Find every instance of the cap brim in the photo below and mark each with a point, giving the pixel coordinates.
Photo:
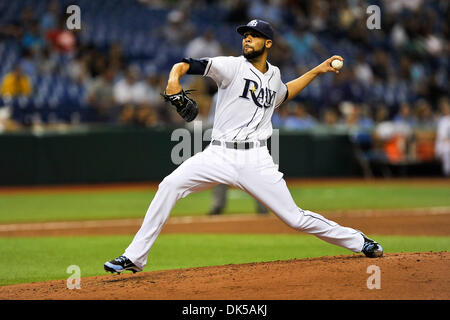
(243, 29)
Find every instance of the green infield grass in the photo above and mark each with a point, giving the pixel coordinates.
(134, 203)
(47, 258)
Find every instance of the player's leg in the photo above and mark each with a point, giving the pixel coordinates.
(279, 200)
(219, 199)
(197, 173)
(261, 208)
(446, 161)
(265, 183)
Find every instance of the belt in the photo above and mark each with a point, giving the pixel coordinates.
(239, 145)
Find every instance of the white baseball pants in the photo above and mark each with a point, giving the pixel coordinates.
(251, 170)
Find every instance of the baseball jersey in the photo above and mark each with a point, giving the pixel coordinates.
(246, 98)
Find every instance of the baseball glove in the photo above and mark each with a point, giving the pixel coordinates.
(186, 107)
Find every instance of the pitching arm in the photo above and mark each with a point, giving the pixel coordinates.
(186, 66)
(176, 73)
(297, 85)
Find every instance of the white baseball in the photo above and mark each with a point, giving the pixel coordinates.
(337, 64)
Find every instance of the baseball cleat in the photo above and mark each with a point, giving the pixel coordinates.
(371, 248)
(120, 264)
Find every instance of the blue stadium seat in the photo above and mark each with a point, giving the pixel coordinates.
(133, 25)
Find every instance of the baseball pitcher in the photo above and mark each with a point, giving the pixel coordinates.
(249, 89)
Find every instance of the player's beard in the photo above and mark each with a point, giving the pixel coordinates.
(253, 54)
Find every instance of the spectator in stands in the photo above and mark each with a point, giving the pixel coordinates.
(381, 113)
(405, 115)
(7, 123)
(237, 13)
(281, 55)
(12, 30)
(153, 90)
(61, 39)
(28, 63)
(101, 97)
(355, 118)
(278, 117)
(349, 119)
(403, 61)
(205, 45)
(398, 36)
(16, 83)
(443, 136)
(266, 10)
(151, 110)
(381, 65)
(365, 117)
(330, 119)
(304, 43)
(425, 132)
(77, 69)
(318, 17)
(393, 140)
(95, 61)
(358, 33)
(435, 87)
(178, 30)
(425, 116)
(347, 16)
(404, 68)
(298, 117)
(362, 70)
(50, 18)
(130, 93)
(32, 39)
(47, 61)
(116, 59)
(15, 29)
(147, 117)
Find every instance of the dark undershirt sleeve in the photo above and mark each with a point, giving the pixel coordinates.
(287, 94)
(196, 66)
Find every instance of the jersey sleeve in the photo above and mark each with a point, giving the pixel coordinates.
(222, 70)
(282, 94)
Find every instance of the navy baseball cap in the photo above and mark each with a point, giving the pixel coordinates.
(260, 26)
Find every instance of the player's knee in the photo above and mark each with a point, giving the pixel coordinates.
(168, 182)
(296, 219)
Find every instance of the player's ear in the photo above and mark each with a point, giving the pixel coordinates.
(268, 43)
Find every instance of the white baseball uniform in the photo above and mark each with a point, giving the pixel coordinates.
(443, 143)
(238, 156)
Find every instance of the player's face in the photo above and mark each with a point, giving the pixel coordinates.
(253, 45)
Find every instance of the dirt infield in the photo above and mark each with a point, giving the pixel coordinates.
(403, 275)
(426, 221)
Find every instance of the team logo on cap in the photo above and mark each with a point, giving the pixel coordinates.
(252, 23)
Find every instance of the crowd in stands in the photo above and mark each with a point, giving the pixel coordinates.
(114, 68)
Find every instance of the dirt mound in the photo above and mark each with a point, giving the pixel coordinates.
(402, 276)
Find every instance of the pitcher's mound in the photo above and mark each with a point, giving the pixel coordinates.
(422, 275)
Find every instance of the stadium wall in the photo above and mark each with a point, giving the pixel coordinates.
(137, 154)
